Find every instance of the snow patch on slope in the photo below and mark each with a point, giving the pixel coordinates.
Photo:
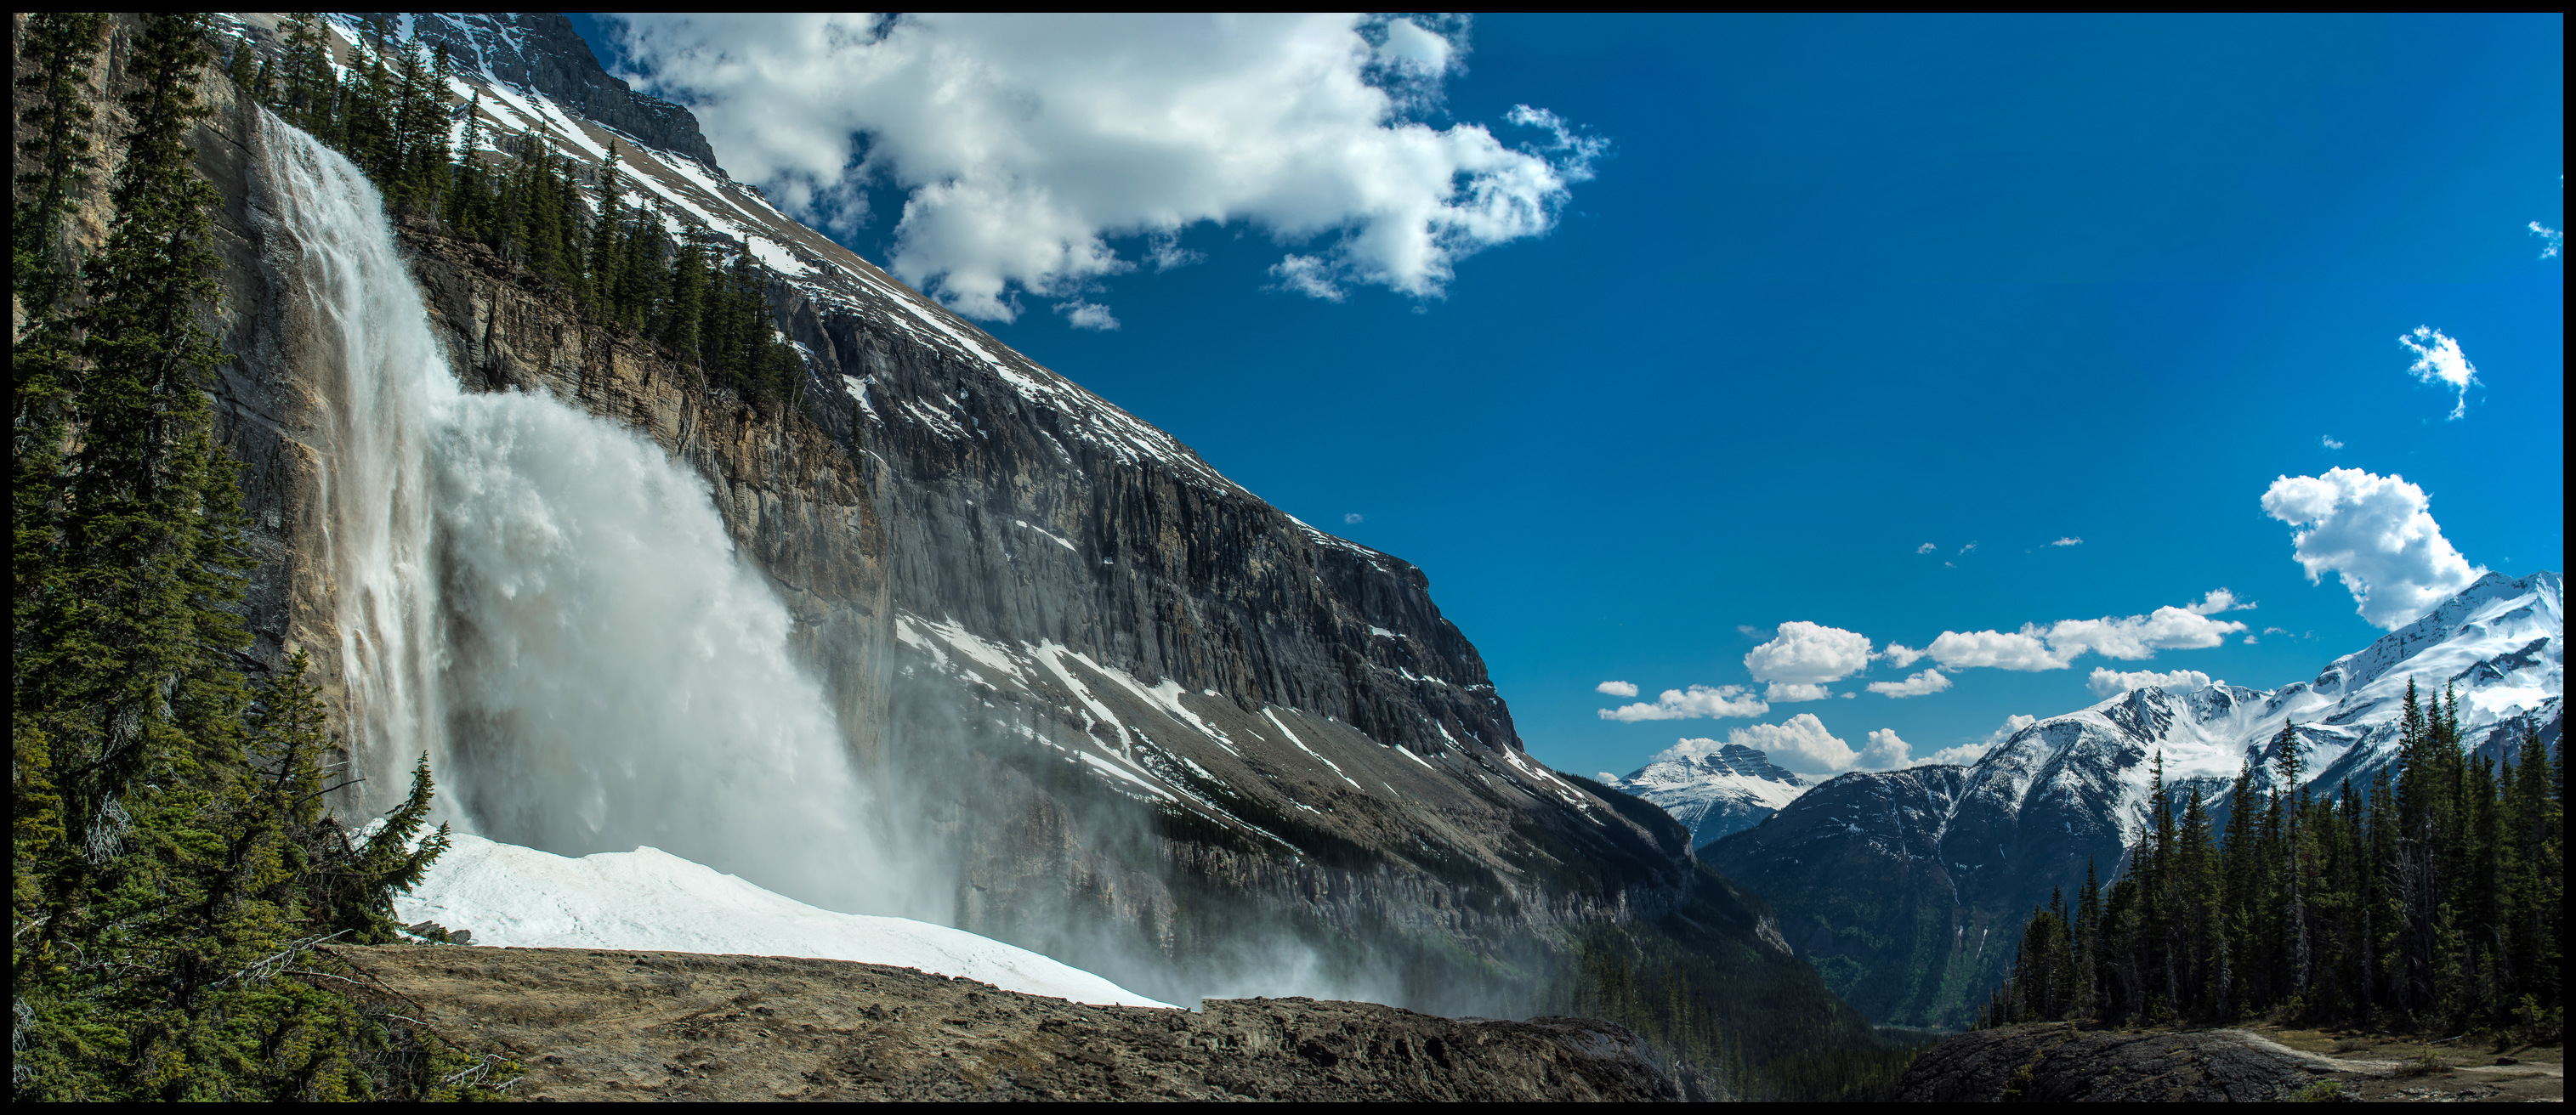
(651, 900)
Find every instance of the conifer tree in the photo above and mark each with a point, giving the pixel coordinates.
(173, 864)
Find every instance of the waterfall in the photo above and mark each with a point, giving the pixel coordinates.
(541, 601)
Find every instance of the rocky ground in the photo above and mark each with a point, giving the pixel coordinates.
(681, 1026)
(2063, 1063)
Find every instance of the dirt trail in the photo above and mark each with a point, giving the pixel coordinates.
(655, 1025)
(2059, 1062)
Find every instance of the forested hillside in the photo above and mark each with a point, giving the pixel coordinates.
(2427, 901)
(172, 865)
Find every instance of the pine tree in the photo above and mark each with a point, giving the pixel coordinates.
(171, 854)
(54, 109)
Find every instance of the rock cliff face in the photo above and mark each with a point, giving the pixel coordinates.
(1134, 717)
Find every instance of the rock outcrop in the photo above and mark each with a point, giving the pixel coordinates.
(685, 1026)
(2061, 1064)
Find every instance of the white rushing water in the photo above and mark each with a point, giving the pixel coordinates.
(541, 601)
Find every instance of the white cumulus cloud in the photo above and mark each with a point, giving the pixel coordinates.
(1700, 701)
(1884, 751)
(1901, 655)
(2026, 649)
(1087, 315)
(2377, 533)
(1790, 692)
(1799, 743)
(2057, 645)
(1617, 688)
(2012, 724)
(2438, 359)
(2218, 600)
(2134, 637)
(1967, 754)
(2106, 683)
(1925, 548)
(1929, 681)
(2329, 442)
(2069, 540)
(1809, 653)
(1024, 144)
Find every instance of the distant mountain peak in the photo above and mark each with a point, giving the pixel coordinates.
(1714, 788)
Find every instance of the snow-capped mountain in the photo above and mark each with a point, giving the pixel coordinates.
(1715, 789)
(1907, 888)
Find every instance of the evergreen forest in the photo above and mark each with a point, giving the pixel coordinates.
(2425, 901)
(173, 871)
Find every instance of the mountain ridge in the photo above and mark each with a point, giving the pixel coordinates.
(1907, 888)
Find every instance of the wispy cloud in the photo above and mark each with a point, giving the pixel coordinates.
(2105, 683)
(1927, 682)
(2375, 532)
(1697, 702)
(2549, 239)
(2069, 540)
(1086, 315)
(2329, 442)
(2057, 645)
(1925, 548)
(2438, 359)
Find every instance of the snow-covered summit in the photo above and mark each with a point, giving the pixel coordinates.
(2498, 644)
(1714, 788)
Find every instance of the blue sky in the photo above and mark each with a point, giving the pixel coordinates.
(1838, 288)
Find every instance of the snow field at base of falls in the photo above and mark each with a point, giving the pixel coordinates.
(649, 900)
